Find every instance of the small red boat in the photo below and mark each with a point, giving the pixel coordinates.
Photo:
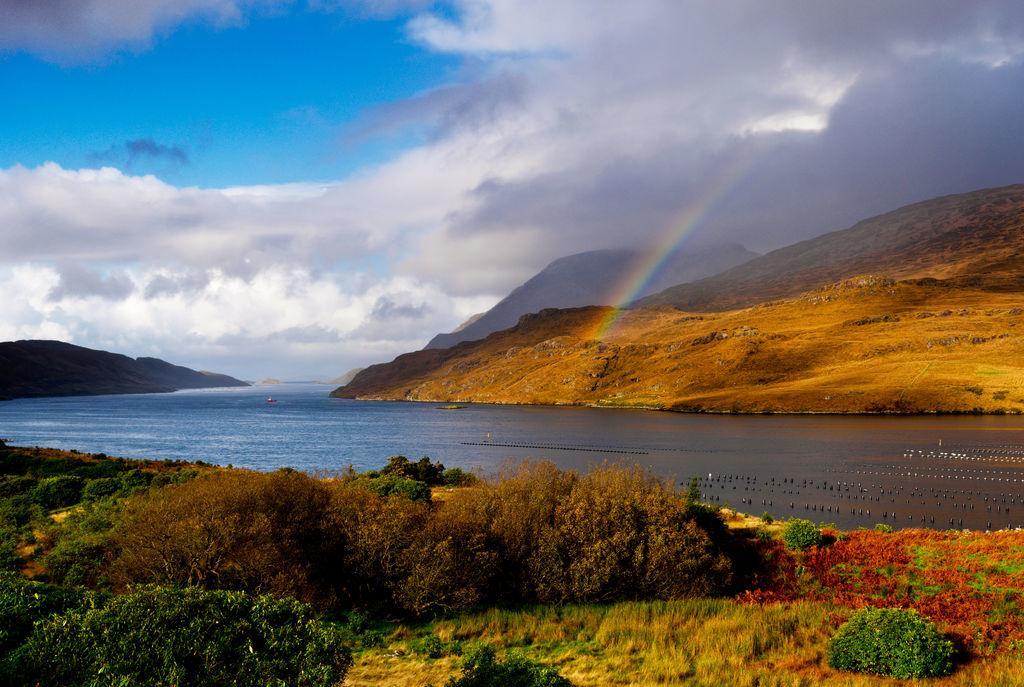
(271, 399)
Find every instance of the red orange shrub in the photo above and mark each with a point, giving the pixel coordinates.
(971, 583)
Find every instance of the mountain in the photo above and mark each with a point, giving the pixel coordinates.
(936, 325)
(870, 344)
(347, 377)
(972, 239)
(588, 279)
(55, 368)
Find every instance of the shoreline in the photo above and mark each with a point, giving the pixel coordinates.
(702, 411)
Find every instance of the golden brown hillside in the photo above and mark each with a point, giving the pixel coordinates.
(869, 344)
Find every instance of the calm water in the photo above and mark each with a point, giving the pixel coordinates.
(831, 469)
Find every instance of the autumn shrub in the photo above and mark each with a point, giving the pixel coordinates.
(452, 563)
(265, 533)
(379, 531)
(188, 638)
(801, 534)
(525, 500)
(893, 642)
(481, 668)
(614, 533)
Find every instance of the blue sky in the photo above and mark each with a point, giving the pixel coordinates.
(264, 102)
(291, 188)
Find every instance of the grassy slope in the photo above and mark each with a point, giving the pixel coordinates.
(867, 344)
(968, 583)
(695, 642)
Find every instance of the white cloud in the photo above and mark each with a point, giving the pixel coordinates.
(286, 321)
(581, 124)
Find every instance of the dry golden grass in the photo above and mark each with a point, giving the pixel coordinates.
(695, 642)
(865, 345)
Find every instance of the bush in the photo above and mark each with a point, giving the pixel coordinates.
(883, 528)
(22, 604)
(395, 485)
(16, 485)
(188, 638)
(452, 563)
(482, 669)
(58, 492)
(894, 642)
(422, 470)
(9, 558)
(457, 477)
(101, 488)
(434, 647)
(615, 533)
(801, 534)
(81, 547)
(263, 533)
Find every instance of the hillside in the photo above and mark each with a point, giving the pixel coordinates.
(54, 368)
(865, 345)
(588, 279)
(974, 239)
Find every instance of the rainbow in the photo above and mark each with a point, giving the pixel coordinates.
(647, 266)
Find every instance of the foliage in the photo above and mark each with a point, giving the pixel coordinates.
(422, 470)
(22, 604)
(149, 639)
(614, 533)
(967, 582)
(801, 534)
(693, 491)
(893, 642)
(434, 647)
(396, 485)
(264, 533)
(457, 477)
(8, 547)
(883, 528)
(482, 669)
(101, 488)
(80, 548)
(58, 492)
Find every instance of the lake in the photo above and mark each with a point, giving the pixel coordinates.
(853, 471)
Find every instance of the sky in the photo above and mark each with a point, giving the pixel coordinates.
(291, 188)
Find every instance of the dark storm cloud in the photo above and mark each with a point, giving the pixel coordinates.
(137, 150)
(445, 111)
(387, 308)
(77, 281)
(163, 285)
(930, 128)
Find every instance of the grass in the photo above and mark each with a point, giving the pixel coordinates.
(699, 642)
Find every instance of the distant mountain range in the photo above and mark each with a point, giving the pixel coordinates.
(589, 279)
(970, 239)
(55, 368)
(347, 377)
(917, 310)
